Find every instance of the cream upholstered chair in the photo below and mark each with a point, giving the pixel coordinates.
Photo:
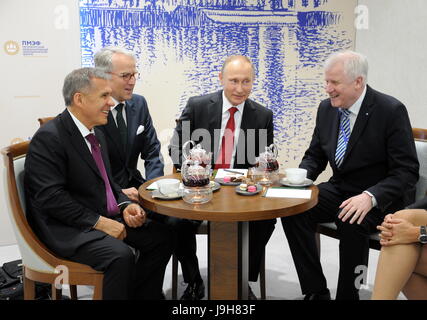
(39, 263)
(420, 137)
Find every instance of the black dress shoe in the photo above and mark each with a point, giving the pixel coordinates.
(194, 291)
(251, 295)
(326, 295)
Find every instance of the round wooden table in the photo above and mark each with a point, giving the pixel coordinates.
(228, 214)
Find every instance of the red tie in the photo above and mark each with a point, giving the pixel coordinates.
(227, 144)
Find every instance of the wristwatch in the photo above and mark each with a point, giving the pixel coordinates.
(423, 235)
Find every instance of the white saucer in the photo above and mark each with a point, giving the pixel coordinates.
(307, 182)
(173, 196)
(215, 187)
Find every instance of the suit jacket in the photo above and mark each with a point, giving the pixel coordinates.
(65, 192)
(142, 141)
(380, 155)
(200, 121)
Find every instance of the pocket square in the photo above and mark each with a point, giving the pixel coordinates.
(140, 129)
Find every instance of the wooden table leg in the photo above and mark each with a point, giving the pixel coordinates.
(228, 260)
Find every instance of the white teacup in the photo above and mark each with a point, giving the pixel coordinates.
(168, 186)
(296, 175)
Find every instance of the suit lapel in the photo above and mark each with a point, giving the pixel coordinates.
(361, 121)
(131, 124)
(335, 132)
(78, 141)
(215, 118)
(113, 132)
(248, 117)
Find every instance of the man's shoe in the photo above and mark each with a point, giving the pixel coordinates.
(194, 291)
(323, 295)
(251, 295)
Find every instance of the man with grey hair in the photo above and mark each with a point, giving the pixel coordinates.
(366, 138)
(129, 132)
(75, 207)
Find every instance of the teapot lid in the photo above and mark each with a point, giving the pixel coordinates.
(270, 152)
(196, 152)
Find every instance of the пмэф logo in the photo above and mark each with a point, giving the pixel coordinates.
(11, 47)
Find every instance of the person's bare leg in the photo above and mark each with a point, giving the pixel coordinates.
(395, 266)
(416, 286)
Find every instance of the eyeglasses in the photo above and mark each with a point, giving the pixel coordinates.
(128, 76)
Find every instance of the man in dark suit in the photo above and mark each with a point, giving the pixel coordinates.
(205, 119)
(130, 133)
(366, 138)
(77, 209)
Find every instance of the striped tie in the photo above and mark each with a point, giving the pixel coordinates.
(343, 137)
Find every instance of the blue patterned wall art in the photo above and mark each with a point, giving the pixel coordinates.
(287, 40)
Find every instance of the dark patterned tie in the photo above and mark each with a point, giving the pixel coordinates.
(121, 125)
(227, 144)
(112, 208)
(343, 137)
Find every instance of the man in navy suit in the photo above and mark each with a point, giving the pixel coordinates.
(130, 133)
(76, 208)
(366, 138)
(206, 116)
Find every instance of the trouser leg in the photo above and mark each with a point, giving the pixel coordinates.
(154, 242)
(259, 234)
(300, 232)
(185, 247)
(354, 254)
(115, 259)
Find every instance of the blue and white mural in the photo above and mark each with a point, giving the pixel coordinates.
(287, 40)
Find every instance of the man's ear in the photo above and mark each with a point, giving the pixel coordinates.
(78, 99)
(220, 77)
(359, 82)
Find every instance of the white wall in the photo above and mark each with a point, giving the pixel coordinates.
(396, 45)
(31, 85)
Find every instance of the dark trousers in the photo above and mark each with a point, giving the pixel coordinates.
(259, 234)
(127, 276)
(353, 248)
(185, 247)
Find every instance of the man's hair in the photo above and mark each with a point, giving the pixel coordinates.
(103, 58)
(79, 80)
(355, 64)
(237, 57)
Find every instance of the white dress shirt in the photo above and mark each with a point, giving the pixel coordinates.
(82, 129)
(237, 121)
(114, 110)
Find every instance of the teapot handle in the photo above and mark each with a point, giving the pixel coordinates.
(184, 148)
(273, 148)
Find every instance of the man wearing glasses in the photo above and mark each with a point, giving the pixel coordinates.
(129, 132)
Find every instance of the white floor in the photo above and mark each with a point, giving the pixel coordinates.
(282, 281)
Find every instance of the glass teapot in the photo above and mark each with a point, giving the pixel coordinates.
(195, 173)
(267, 166)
